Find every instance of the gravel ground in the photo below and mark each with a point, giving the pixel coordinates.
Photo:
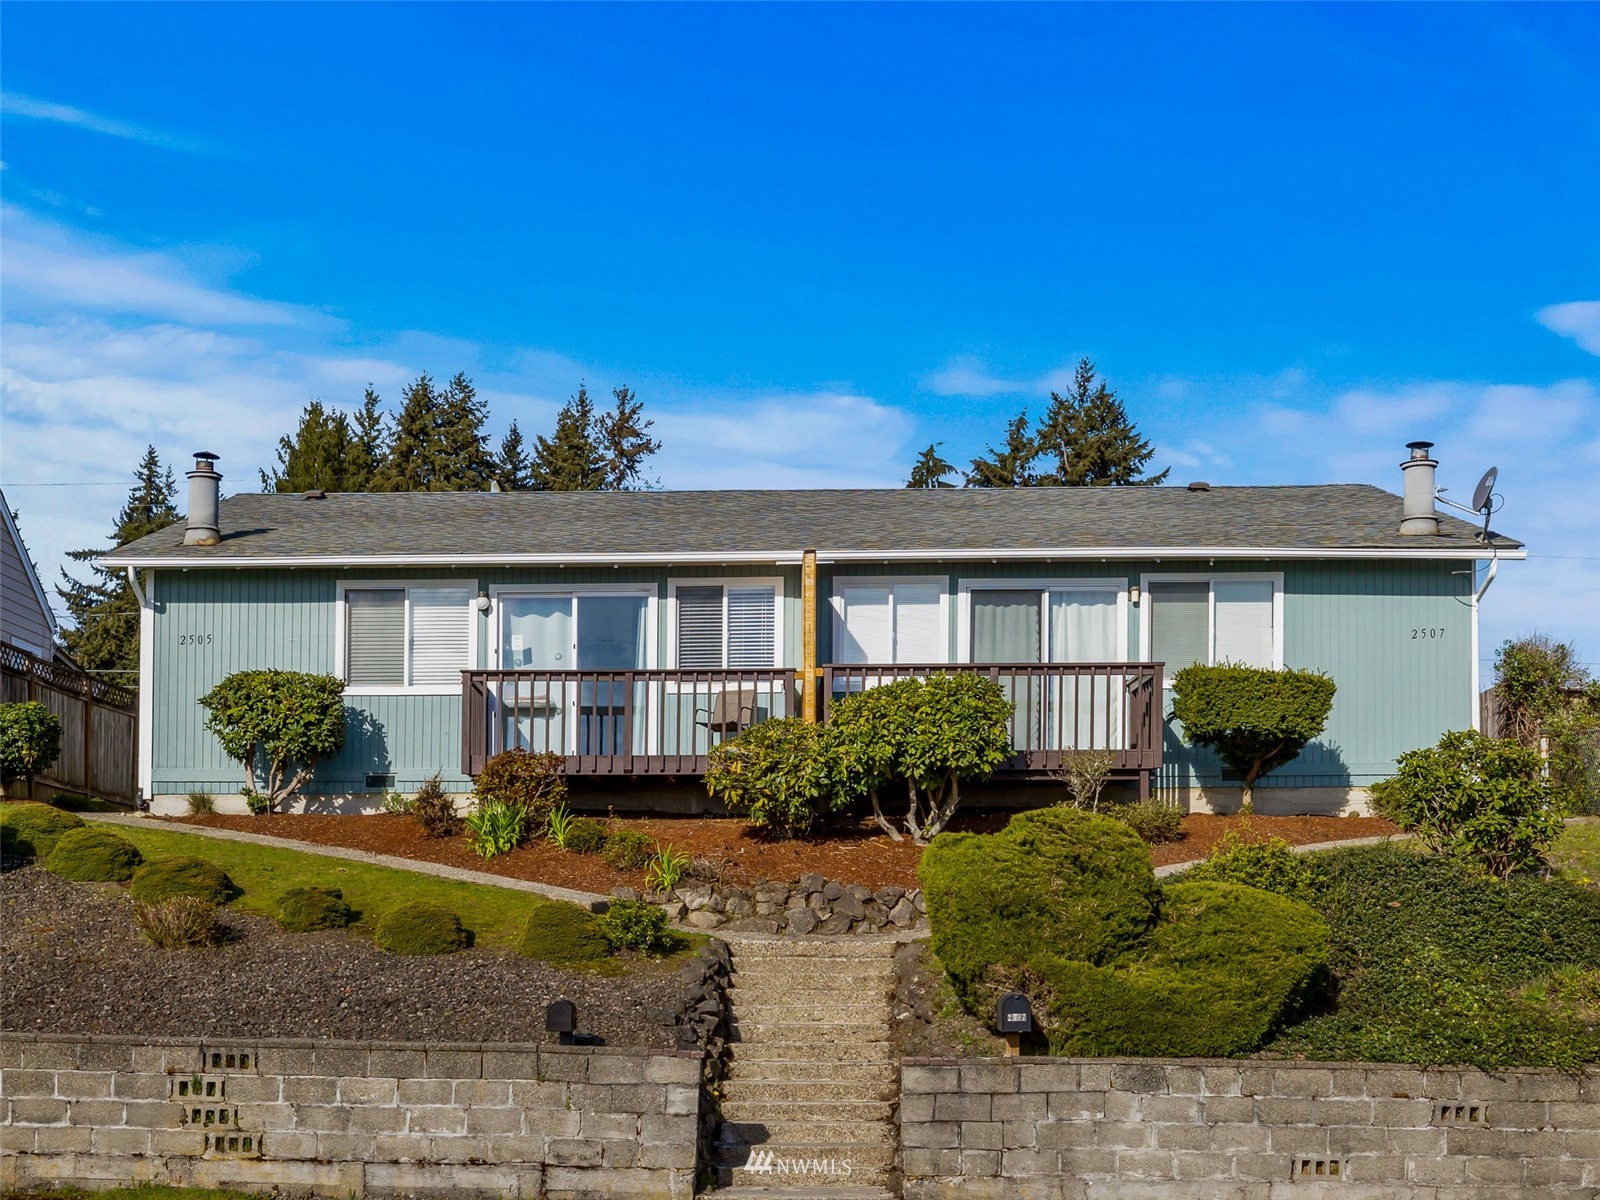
(71, 961)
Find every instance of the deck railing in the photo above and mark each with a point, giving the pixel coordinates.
(658, 722)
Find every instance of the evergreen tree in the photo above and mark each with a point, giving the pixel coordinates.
(319, 456)
(930, 470)
(464, 461)
(1089, 435)
(370, 443)
(104, 613)
(411, 463)
(1010, 467)
(512, 468)
(626, 441)
(572, 459)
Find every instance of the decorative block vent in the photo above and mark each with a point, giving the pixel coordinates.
(227, 1118)
(1317, 1168)
(197, 1087)
(1463, 1114)
(229, 1060)
(238, 1145)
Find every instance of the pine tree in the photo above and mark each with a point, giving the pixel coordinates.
(572, 459)
(626, 441)
(513, 471)
(464, 462)
(104, 613)
(930, 470)
(1011, 467)
(1090, 436)
(371, 442)
(410, 465)
(319, 456)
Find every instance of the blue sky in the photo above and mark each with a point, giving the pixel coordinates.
(817, 238)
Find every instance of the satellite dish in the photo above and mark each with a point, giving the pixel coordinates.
(1483, 494)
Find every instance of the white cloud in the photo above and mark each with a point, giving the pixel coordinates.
(1578, 320)
(968, 376)
(14, 104)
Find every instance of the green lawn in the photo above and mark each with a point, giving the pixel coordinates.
(1576, 853)
(494, 914)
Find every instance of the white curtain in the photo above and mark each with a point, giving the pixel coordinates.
(1085, 712)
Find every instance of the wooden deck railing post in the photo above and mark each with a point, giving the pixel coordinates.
(808, 637)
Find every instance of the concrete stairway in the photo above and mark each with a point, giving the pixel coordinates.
(813, 1084)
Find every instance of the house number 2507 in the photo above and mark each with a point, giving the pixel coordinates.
(194, 639)
(1423, 635)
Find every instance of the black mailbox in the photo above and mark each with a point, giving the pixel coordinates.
(561, 1017)
(1015, 1014)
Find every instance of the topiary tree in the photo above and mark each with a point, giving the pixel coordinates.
(782, 774)
(1479, 798)
(30, 740)
(1255, 719)
(289, 720)
(926, 734)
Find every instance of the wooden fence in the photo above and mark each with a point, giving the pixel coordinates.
(99, 727)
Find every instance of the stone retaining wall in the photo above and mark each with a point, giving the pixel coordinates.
(809, 905)
(1073, 1129)
(350, 1118)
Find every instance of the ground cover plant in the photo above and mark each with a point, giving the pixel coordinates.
(420, 927)
(626, 850)
(93, 854)
(181, 875)
(287, 721)
(636, 925)
(496, 827)
(31, 830)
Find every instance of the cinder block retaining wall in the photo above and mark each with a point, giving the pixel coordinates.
(1166, 1129)
(350, 1118)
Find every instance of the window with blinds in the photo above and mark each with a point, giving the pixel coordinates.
(375, 637)
(891, 623)
(729, 627)
(392, 643)
(439, 635)
(1212, 621)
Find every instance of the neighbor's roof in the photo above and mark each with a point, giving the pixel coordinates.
(439, 528)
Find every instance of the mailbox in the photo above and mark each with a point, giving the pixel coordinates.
(562, 1018)
(1015, 1014)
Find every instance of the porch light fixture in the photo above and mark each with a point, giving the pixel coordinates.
(1133, 593)
(482, 602)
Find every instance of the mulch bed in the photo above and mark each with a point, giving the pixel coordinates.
(71, 961)
(852, 852)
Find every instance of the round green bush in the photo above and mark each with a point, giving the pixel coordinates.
(91, 855)
(564, 935)
(1222, 969)
(162, 878)
(1076, 884)
(31, 830)
(420, 927)
(1270, 865)
(627, 850)
(303, 909)
(635, 925)
(587, 836)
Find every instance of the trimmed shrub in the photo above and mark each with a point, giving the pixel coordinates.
(1483, 799)
(1255, 719)
(535, 783)
(420, 927)
(162, 878)
(586, 836)
(30, 830)
(435, 810)
(1271, 865)
(291, 720)
(781, 774)
(30, 740)
(1077, 884)
(305, 909)
(178, 922)
(635, 925)
(563, 935)
(93, 855)
(626, 850)
(1152, 820)
(1220, 972)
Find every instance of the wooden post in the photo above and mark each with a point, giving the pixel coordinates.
(1013, 1045)
(808, 637)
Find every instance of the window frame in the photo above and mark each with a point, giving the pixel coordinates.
(965, 588)
(649, 591)
(836, 608)
(1210, 578)
(342, 634)
(775, 582)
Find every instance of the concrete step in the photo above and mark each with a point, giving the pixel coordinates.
(864, 1183)
(841, 1135)
(858, 946)
(761, 984)
(875, 1012)
(755, 1085)
(809, 1048)
(744, 1030)
(794, 1073)
(743, 1112)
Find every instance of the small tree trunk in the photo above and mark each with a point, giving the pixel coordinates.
(883, 821)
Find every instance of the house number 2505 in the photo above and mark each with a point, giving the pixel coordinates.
(194, 639)
(1423, 635)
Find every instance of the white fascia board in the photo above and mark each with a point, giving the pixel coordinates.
(793, 557)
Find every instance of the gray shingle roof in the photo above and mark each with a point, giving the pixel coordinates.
(443, 525)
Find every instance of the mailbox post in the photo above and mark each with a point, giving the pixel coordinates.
(561, 1018)
(1013, 1018)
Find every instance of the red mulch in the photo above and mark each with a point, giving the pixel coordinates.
(850, 853)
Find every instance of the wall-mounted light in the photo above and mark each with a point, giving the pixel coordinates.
(482, 602)
(1133, 593)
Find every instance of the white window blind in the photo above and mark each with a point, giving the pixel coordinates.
(919, 630)
(1180, 624)
(699, 627)
(440, 635)
(1244, 621)
(752, 627)
(375, 637)
(867, 633)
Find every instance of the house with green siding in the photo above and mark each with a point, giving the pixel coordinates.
(631, 631)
